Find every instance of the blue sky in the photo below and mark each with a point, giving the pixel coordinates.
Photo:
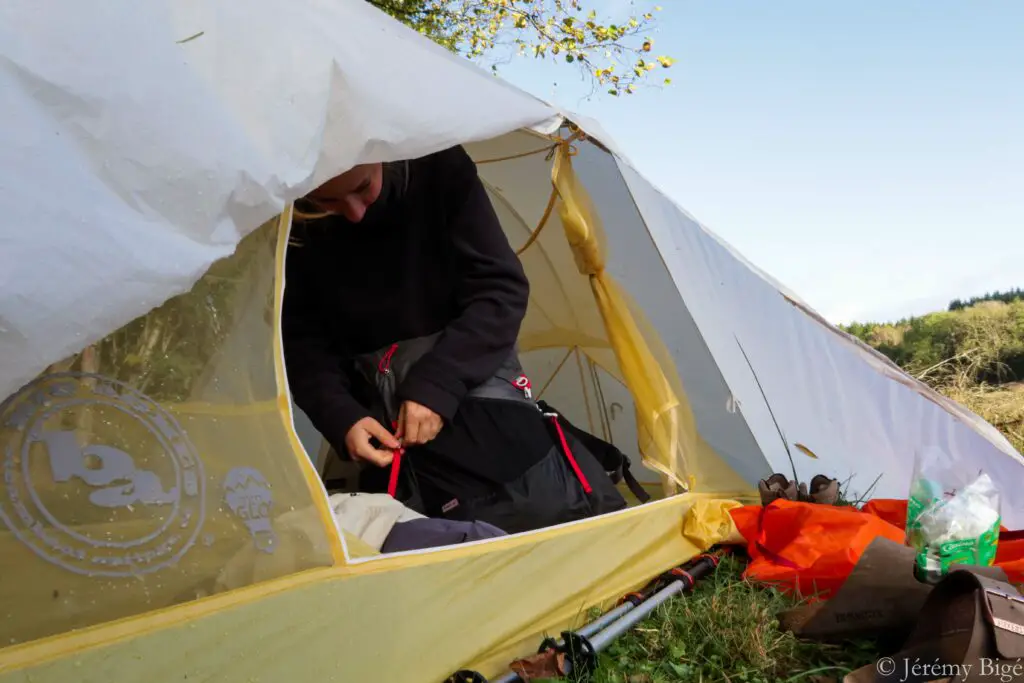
(868, 154)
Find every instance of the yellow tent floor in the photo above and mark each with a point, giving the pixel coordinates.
(408, 618)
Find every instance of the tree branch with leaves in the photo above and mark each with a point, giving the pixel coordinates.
(615, 55)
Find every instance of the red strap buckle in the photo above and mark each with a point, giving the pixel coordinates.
(522, 382)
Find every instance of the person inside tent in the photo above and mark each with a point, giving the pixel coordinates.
(403, 303)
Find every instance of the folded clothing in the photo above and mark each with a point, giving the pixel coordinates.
(370, 516)
(417, 534)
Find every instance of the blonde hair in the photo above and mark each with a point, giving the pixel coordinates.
(300, 214)
(394, 183)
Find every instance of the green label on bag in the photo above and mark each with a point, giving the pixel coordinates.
(980, 551)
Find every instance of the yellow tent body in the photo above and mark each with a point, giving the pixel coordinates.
(162, 520)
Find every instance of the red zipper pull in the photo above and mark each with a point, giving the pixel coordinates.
(396, 463)
(384, 367)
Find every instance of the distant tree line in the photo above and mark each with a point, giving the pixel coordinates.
(977, 341)
(1006, 297)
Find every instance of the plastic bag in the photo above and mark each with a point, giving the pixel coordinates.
(953, 515)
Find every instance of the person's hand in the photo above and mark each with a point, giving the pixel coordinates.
(417, 424)
(358, 442)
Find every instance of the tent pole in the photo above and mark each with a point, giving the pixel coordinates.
(583, 384)
(540, 394)
(606, 423)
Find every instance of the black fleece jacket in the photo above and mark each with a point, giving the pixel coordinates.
(430, 258)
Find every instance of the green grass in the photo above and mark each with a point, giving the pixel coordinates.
(725, 631)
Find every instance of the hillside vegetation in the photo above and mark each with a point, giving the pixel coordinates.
(973, 352)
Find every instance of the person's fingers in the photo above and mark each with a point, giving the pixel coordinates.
(437, 424)
(429, 428)
(413, 427)
(417, 424)
(376, 429)
(378, 457)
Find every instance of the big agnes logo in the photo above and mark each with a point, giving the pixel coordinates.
(98, 478)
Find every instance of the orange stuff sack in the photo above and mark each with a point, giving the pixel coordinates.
(1010, 555)
(810, 549)
(891, 510)
(807, 547)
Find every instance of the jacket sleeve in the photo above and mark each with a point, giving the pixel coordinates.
(316, 379)
(491, 298)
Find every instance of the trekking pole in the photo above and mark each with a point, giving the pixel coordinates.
(684, 581)
(580, 647)
(582, 651)
(626, 603)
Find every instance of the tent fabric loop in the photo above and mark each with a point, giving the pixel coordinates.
(548, 150)
(521, 155)
(541, 223)
(564, 145)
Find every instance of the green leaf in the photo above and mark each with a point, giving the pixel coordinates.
(680, 669)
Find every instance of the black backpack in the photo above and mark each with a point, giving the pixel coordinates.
(567, 483)
(616, 464)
